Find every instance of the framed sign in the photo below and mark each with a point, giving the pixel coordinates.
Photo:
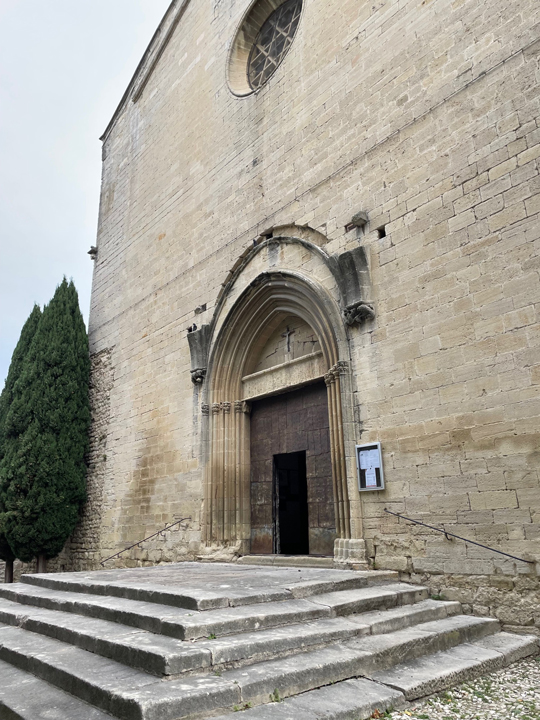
(369, 465)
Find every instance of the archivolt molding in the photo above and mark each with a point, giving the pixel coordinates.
(269, 296)
(248, 256)
(345, 276)
(342, 282)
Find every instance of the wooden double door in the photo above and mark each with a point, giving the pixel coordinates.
(292, 499)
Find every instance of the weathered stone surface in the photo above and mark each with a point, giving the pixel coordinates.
(118, 654)
(25, 697)
(190, 585)
(513, 647)
(347, 700)
(155, 654)
(431, 674)
(385, 621)
(356, 601)
(265, 644)
(436, 672)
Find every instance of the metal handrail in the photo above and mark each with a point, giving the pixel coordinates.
(138, 544)
(449, 535)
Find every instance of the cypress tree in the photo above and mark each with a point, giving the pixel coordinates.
(6, 398)
(46, 434)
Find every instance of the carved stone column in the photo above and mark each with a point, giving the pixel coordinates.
(206, 515)
(242, 459)
(337, 449)
(227, 490)
(228, 470)
(216, 470)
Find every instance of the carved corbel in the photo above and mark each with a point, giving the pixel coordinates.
(352, 274)
(358, 313)
(198, 375)
(199, 341)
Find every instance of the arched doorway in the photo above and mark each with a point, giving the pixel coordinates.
(241, 374)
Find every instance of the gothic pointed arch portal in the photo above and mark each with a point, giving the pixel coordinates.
(232, 385)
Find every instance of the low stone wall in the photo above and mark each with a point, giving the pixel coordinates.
(487, 584)
(514, 600)
(19, 569)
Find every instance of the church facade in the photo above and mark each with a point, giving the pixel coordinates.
(319, 229)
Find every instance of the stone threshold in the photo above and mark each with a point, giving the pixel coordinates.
(317, 561)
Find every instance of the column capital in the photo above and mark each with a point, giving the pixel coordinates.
(241, 406)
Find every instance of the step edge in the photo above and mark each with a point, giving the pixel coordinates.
(98, 643)
(46, 670)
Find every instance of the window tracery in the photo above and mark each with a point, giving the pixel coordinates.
(273, 42)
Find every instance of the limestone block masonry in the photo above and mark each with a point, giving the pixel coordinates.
(235, 213)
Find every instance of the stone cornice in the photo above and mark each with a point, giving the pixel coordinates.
(150, 59)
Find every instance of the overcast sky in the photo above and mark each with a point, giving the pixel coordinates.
(64, 66)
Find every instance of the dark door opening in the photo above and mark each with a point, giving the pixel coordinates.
(291, 526)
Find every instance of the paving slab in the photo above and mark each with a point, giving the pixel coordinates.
(205, 586)
(311, 561)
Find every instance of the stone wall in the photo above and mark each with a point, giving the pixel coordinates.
(423, 115)
(84, 547)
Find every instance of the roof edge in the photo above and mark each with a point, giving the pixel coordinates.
(150, 59)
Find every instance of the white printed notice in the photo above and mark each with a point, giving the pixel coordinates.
(369, 461)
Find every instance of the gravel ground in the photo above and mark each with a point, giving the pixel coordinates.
(509, 694)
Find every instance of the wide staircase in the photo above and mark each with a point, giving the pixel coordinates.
(202, 641)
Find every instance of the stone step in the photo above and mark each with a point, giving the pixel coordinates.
(279, 642)
(129, 693)
(358, 699)
(427, 675)
(347, 602)
(155, 654)
(185, 625)
(163, 587)
(300, 673)
(167, 656)
(25, 697)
